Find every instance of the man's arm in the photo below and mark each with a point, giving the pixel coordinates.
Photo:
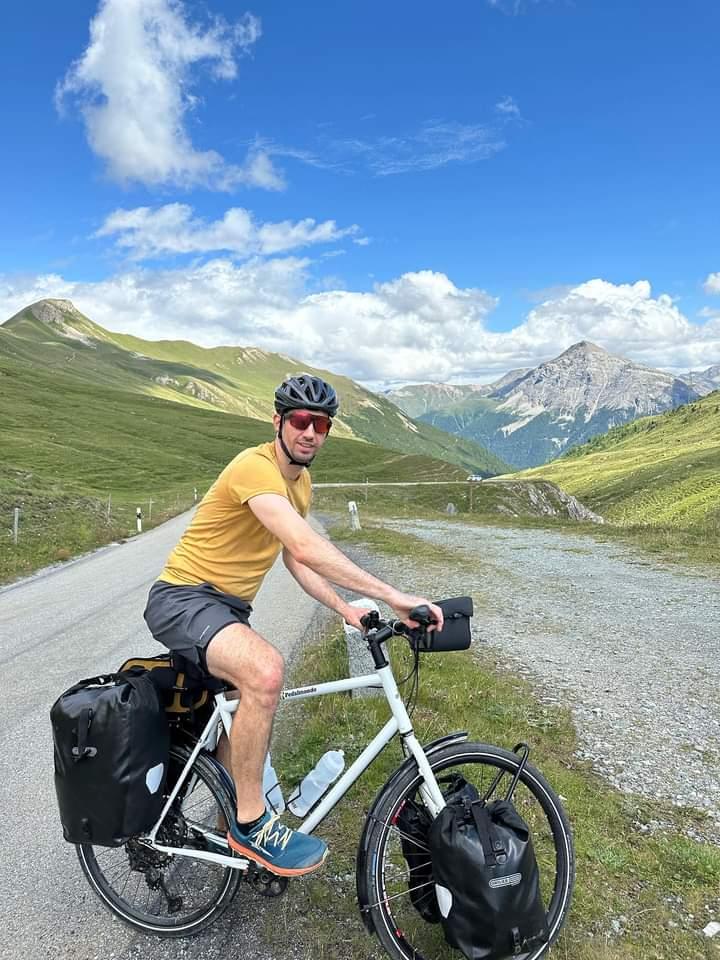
(311, 550)
(319, 588)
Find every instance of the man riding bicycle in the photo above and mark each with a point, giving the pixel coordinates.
(200, 605)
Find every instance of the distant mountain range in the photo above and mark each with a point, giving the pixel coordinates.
(531, 416)
(54, 335)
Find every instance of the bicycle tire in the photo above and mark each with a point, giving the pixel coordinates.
(112, 870)
(383, 889)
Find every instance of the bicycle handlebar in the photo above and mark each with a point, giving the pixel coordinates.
(385, 629)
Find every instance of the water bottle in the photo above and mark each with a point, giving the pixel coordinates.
(326, 770)
(272, 791)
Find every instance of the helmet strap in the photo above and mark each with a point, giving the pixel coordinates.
(295, 463)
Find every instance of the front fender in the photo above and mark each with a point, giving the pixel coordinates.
(362, 854)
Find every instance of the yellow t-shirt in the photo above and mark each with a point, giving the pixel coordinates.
(225, 544)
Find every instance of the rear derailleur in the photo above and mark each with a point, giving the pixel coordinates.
(153, 863)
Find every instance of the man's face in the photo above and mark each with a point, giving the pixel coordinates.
(303, 432)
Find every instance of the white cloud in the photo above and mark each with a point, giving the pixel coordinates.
(435, 144)
(508, 106)
(515, 7)
(624, 319)
(419, 326)
(172, 229)
(712, 283)
(133, 84)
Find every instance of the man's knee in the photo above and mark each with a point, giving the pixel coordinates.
(264, 678)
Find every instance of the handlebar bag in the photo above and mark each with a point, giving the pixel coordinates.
(486, 880)
(111, 745)
(455, 634)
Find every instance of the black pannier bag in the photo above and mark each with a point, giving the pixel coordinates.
(455, 634)
(413, 823)
(486, 880)
(112, 749)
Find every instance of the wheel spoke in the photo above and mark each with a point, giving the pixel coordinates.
(161, 892)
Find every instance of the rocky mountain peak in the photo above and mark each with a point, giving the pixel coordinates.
(584, 348)
(61, 317)
(55, 312)
(586, 378)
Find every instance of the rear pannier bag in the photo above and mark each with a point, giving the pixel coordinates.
(486, 880)
(112, 747)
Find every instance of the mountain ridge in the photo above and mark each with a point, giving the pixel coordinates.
(53, 333)
(534, 417)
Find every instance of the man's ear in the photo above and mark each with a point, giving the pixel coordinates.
(276, 421)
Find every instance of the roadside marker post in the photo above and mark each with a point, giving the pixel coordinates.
(150, 503)
(138, 515)
(16, 524)
(354, 517)
(194, 494)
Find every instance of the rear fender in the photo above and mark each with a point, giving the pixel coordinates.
(362, 856)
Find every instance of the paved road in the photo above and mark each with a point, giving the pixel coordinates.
(75, 621)
(390, 483)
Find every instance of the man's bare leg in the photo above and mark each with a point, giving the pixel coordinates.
(252, 665)
(242, 657)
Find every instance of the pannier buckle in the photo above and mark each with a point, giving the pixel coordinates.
(85, 752)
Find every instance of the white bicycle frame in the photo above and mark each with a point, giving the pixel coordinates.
(399, 722)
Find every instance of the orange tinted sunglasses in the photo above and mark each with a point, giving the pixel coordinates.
(300, 420)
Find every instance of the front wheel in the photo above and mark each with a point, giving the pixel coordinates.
(384, 881)
(160, 893)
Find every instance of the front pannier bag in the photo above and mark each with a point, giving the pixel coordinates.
(486, 880)
(112, 747)
(413, 825)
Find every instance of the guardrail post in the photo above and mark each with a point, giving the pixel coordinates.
(354, 517)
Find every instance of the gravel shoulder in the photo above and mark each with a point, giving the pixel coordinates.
(632, 646)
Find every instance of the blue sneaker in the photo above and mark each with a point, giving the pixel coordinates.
(278, 848)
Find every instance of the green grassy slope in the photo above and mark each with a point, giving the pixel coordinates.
(235, 380)
(67, 446)
(662, 470)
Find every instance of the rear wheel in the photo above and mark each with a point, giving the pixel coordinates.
(164, 894)
(384, 878)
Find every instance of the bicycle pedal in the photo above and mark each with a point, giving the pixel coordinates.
(264, 882)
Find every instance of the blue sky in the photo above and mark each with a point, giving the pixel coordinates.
(394, 191)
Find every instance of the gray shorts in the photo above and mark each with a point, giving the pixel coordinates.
(186, 618)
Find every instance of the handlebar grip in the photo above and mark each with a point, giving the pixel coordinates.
(371, 620)
(421, 614)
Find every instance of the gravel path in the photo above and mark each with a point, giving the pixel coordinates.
(630, 644)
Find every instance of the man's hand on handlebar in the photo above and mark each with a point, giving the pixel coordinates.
(352, 615)
(404, 603)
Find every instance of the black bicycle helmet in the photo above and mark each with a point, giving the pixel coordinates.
(306, 392)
